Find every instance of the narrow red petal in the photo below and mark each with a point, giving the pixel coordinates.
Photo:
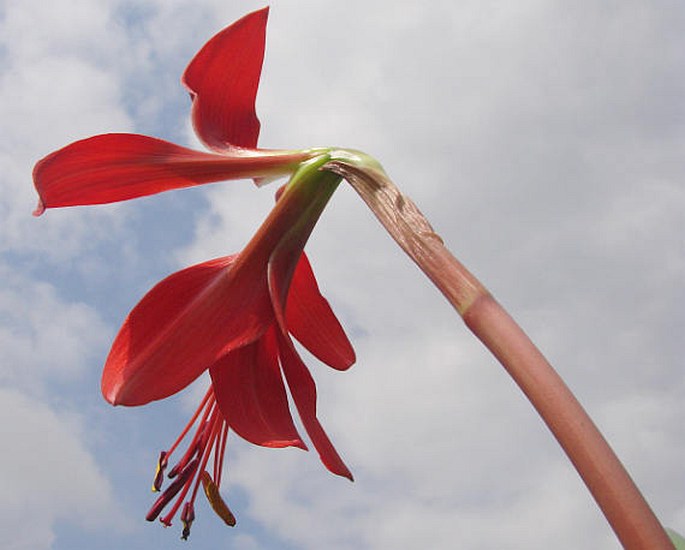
(249, 389)
(311, 320)
(182, 326)
(300, 381)
(116, 167)
(303, 390)
(223, 78)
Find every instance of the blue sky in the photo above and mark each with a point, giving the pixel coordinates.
(544, 141)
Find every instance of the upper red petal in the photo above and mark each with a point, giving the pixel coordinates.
(249, 389)
(116, 167)
(311, 320)
(223, 78)
(184, 325)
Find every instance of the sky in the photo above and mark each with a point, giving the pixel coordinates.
(545, 142)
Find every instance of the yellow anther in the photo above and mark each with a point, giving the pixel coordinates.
(214, 497)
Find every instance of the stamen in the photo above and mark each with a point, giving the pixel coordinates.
(209, 439)
(204, 449)
(189, 455)
(187, 517)
(219, 452)
(196, 444)
(214, 425)
(214, 497)
(159, 473)
(172, 490)
(208, 395)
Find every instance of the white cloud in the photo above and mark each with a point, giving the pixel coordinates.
(43, 339)
(48, 475)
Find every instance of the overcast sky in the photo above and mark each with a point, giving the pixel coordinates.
(545, 141)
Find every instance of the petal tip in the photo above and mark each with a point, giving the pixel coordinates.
(349, 359)
(110, 394)
(40, 209)
(110, 397)
(343, 472)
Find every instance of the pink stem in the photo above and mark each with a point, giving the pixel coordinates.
(618, 497)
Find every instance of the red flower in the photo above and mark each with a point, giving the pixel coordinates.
(231, 316)
(234, 316)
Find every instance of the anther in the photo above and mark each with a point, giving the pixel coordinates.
(159, 473)
(172, 490)
(214, 497)
(187, 517)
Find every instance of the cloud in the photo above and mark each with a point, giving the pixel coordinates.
(48, 476)
(43, 339)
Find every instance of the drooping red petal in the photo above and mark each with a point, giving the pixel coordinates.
(249, 389)
(300, 381)
(303, 390)
(311, 320)
(184, 325)
(223, 78)
(116, 167)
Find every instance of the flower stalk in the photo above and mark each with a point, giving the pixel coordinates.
(621, 502)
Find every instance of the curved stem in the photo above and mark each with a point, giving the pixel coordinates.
(615, 492)
(618, 497)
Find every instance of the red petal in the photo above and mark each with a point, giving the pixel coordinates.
(184, 325)
(300, 381)
(311, 320)
(223, 78)
(303, 390)
(116, 167)
(251, 395)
